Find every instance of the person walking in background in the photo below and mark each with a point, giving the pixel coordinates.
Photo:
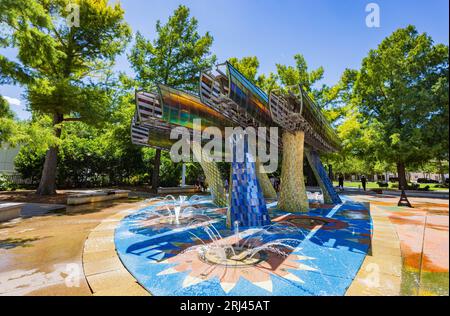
(364, 182)
(341, 182)
(226, 185)
(198, 184)
(202, 183)
(277, 184)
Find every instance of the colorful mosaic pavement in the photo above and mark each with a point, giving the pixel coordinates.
(423, 234)
(331, 244)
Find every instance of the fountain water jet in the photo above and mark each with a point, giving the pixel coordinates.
(239, 249)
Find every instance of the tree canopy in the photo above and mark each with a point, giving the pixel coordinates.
(6, 120)
(391, 113)
(400, 92)
(64, 67)
(176, 56)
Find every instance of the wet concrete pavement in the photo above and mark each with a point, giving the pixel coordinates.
(423, 232)
(42, 255)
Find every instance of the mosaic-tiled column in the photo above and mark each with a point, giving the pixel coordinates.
(267, 187)
(212, 174)
(293, 196)
(329, 193)
(247, 204)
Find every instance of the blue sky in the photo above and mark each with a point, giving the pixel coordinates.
(329, 33)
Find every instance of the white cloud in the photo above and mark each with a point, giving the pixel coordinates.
(12, 101)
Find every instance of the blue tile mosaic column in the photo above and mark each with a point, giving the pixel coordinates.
(247, 205)
(329, 193)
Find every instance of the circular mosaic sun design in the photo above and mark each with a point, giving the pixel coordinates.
(300, 254)
(311, 222)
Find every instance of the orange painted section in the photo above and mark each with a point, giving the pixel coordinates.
(423, 233)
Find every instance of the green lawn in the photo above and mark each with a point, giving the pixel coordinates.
(349, 184)
(432, 188)
(373, 185)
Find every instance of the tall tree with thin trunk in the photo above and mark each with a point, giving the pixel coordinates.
(64, 49)
(175, 57)
(401, 91)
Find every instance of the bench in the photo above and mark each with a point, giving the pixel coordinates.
(178, 190)
(96, 196)
(10, 211)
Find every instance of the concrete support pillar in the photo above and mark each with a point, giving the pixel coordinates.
(293, 196)
(247, 203)
(212, 174)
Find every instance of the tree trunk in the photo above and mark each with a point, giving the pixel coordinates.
(47, 185)
(401, 175)
(155, 175)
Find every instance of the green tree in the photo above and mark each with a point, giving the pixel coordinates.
(351, 128)
(249, 66)
(400, 92)
(62, 64)
(175, 58)
(88, 156)
(5, 111)
(286, 76)
(300, 74)
(6, 120)
(437, 127)
(337, 100)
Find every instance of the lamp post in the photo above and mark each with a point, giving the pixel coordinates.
(403, 202)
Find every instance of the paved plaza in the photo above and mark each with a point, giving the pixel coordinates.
(74, 253)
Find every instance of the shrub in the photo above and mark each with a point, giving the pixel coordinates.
(138, 179)
(29, 163)
(409, 186)
(425, 180)
(193, 171)
(6, 184)
(382, 184)
(3, 183)
(170, 173)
